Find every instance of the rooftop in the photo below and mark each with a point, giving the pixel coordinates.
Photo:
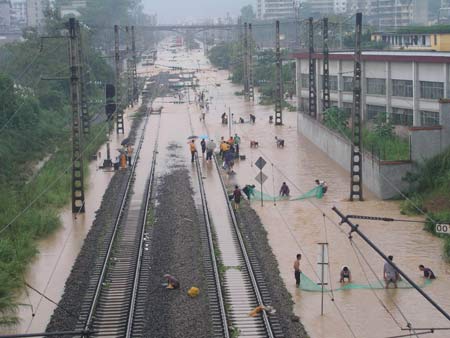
(380, 55)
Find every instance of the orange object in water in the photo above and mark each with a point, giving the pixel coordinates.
(123, 161)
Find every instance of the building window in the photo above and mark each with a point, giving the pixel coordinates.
(429, 118)
(348, 83)
(376, 86)
(373, 111)
(402, 116)
(347, 107)
(402, 88)
(305, 80)
(431, 90)
(333, 82)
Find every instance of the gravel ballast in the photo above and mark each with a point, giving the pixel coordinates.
(176, 248)
(65, 316)
(255, 237)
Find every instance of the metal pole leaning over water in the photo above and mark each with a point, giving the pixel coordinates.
(355, 228)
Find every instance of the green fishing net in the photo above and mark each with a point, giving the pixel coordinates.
(306, 284)
(315, 192)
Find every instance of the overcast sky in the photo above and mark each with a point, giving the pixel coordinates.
(174, 11)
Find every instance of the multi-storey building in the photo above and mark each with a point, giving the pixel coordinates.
(276, 9)
(324, 7)
(5, 14)
(406, 85)
(396, 13)
(72, 8)
(420, 38)
(35, 12)
(19, 13)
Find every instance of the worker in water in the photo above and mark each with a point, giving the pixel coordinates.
(323, 185)
(297, 271)
(252, 118)
(203, 145)
(237, 195)
(123, 160)
(172, 282)
(284, 190)
(390, 274)
(210, 147)
(237, 142)
(427, 272)
(224, 148)
(193, 150)
(249, 191)
(129, 153)
(271, 119)
(345, 274)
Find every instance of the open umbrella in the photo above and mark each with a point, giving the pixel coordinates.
(203, 137)
(125, 141)
(192, 137)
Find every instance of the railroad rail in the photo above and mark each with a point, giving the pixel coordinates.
(241, 284)
(109, 305)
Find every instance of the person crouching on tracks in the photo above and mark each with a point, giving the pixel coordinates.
(172, 282)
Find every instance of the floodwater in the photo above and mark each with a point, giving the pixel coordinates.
(57, 253)
(298, 226)
(293, 227)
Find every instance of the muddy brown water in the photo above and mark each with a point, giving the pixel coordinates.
(298, 226)
(293, 227)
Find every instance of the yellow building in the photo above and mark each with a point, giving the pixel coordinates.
(411, 39)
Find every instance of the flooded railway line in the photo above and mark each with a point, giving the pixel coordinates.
(109, 305)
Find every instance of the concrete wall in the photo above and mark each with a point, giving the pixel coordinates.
(382, 178)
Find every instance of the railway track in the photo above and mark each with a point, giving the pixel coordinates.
(238, 279)
(110, 307)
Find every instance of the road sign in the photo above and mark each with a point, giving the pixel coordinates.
(261, 178)
(442, 228)
(260, 163)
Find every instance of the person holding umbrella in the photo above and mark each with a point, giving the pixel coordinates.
(203, 145)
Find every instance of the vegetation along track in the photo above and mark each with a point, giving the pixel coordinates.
(109, 306)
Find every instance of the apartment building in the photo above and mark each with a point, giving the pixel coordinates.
(397, 13)
(416, 38)
(276, 9)
(406, 85)
(35, 12)
(19, 13)
(5, 14)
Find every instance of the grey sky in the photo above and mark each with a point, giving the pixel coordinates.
(173, 11)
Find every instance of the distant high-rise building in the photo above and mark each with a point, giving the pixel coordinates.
(5, 14)
(276, 9)
(324, 7)
(72, 8)
(19, 13)
(397, 13)
(35, 12)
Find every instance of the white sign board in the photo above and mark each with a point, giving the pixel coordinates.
(442, 228)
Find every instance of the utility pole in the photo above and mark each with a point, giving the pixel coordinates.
(129, 70)
(326, 68)
(355, 228)
(251, 89)
(279, 84)
(81, 70)
(119, 112)
(356, 178)
(323, 265)
(312, 72)
(77, 153)
(245, 60)
(134, 70)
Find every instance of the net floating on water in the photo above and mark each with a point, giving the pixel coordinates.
(307, 284)
(316, 192)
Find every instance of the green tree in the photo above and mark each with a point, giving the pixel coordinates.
(248, 14)
(383, 127)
